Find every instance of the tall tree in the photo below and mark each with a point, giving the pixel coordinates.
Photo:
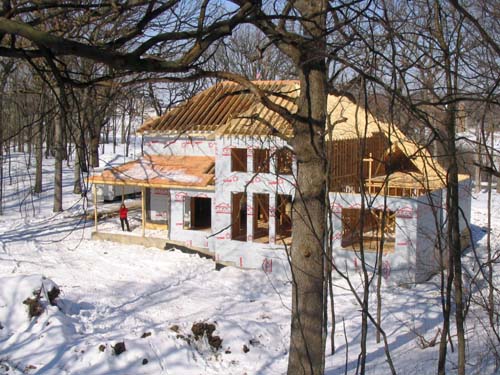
(305, 47)
(6, 68)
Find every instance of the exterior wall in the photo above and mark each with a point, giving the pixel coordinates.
(432, 227)
(178, 145)
(111, 192)
(248, 254)
(196, 238)
(465, 194)
(398, 266)
(430, 232)
(159, 205)
(414, 258)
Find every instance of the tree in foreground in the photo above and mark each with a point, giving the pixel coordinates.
(177, 40)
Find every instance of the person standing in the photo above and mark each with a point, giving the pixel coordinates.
(123, 217)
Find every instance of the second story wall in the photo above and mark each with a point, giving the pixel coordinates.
(178, 145)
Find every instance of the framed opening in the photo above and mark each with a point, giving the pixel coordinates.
(284, 161)
(238, 160)
(197, 213)
(260, 204)
(157, 206)
(239, 216)
(284, 219)
(370, 234)
(261, 160)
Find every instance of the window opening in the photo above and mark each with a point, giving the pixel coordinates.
(284, 161)
(260, 204)
(238, 160)
(284, 219)
(197, 213)
(261, 160)
(239, 216)
(371, 233)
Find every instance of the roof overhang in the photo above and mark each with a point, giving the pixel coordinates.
(158, 171)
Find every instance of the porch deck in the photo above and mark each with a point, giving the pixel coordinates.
(131, 238)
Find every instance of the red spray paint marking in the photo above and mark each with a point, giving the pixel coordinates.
(223, 208)
(267, 265)
(179, 197)
(272, 211)
(386, 269)
(405, 212)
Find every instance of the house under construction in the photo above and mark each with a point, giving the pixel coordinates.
(218, 175)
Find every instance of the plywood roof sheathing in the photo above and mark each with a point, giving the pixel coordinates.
(161, 171)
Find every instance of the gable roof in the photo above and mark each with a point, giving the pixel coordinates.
(228, 109)
(210, 109)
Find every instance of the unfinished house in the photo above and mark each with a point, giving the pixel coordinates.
(218, 176)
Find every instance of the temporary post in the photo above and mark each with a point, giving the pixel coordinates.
(94, 193)
(143, 201)
(370, 161)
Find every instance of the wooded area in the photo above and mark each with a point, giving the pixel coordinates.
(77, 76)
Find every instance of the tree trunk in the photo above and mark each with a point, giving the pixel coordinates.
(77, 181)
(29, 143)
(127, 141)
(49, 138)
(2, 87)
(114, 122)
(7, 68)
(39, 153)
(306, 344)
(477, 171)
(59, 150)
(123, 128)
(309, 210)
(453, 202)
(498, 178)
(94, 149)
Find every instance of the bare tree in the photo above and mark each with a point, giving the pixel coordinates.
(6, 69)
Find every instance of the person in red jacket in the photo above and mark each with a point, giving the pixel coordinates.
(123, 216)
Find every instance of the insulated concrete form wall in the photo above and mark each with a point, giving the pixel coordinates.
(413, 259)
(178, 145)
(159, 205)
(398, 266)
(432, 226)
(464, 195)
(248, 254)
(430, 234)
(191, 237)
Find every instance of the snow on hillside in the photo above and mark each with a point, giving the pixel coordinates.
(149, 300)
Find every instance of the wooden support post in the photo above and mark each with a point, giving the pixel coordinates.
(123, 193)
(143, 201)
(94, 194)
(370, 162)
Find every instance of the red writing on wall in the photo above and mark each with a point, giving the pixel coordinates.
(267, 265)
(179, 196)
(405, 212)
(223, 208)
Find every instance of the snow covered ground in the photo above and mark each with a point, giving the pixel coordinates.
(149, 299)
